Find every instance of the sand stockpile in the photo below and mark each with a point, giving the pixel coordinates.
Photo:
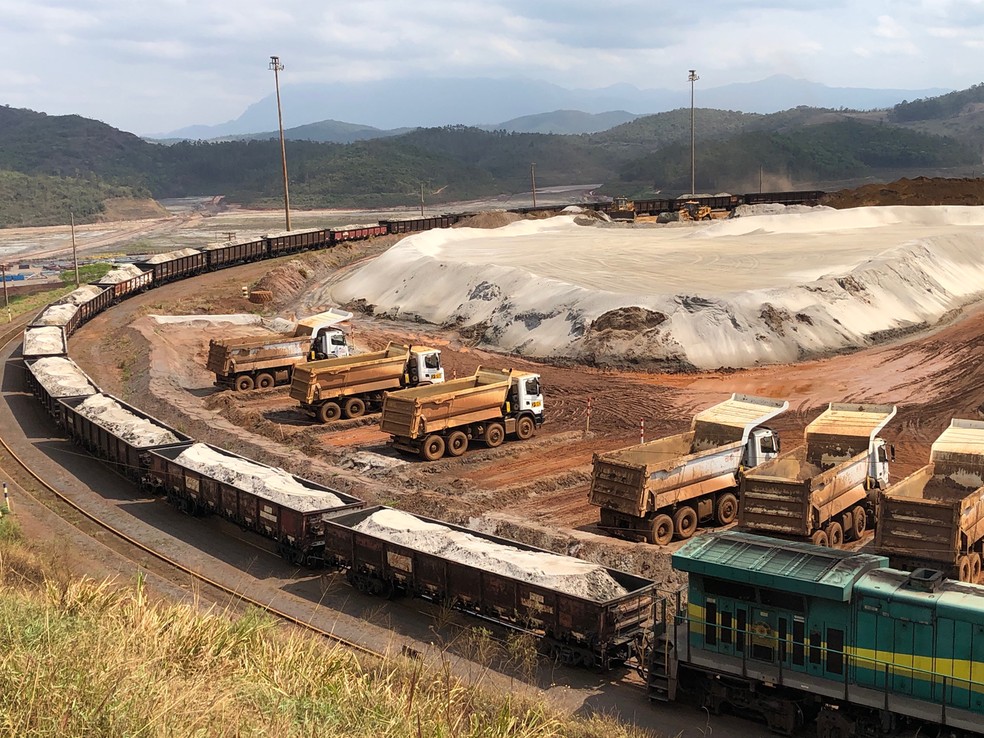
(564, 573)
(43, 341)
(62, 377)
(272, 484)
(137, 431)
(122, 273)
(738, 292)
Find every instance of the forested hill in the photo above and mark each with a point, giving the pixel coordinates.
(69, 163)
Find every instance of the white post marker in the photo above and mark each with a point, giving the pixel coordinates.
(6, 497)
(587, 419)
(642, 430)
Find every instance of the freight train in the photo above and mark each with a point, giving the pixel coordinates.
(787, 630)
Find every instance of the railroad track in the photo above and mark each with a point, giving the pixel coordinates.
(25, 481)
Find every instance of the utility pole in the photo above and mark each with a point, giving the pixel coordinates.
(6, 302)
(75, 256)
(277, 67)
(421, 199)
(533, 180)
(693, 138)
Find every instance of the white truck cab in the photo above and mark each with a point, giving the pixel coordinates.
(527, 393)
(762, 445)
(424, 367)
(329, 340)
(880, 455)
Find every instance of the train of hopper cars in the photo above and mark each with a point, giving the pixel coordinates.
(786, 630)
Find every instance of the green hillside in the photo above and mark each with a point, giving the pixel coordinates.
(71, 163)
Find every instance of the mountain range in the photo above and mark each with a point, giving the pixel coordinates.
(390, 106)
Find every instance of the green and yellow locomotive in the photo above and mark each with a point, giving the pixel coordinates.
(796, 632)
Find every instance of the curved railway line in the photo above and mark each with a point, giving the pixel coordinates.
(144, 556)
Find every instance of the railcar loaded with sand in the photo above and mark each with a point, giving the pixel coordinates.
(585, 614)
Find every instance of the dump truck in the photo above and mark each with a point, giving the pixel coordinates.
(351, 385)
(934, 518)
(445, 418)
(825, 490)
(264, 361)
(668, 487)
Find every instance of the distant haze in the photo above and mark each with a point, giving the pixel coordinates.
(389, 104)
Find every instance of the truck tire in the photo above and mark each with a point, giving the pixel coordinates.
(244, 382)
(525, 428)
(964, 569)
(685, 522)
(328, 411)
(354, 407)
(819, 538)
(432, 448)
(975, 568)
(264, 381)
(661, 530)
(727, 508)
(495, 434)
(457, 443)
(835, 535)
(859, 521)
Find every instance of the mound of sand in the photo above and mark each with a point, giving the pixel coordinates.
(61, 377)
(43, 341)
(737, 292)
(135, 430)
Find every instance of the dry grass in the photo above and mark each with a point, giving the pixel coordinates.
(85, 658)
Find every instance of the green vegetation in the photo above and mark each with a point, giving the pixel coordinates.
(32, 200)
(50, 165)
(87, 273)
(84, 658)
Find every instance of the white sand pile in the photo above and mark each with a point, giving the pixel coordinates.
(272, 484)
(122, 273)
(137, 431)
(45, 340)
(62, 377)
(83, 294)
(737, 292)
(161, 258)
(564, 573)
(56, 315)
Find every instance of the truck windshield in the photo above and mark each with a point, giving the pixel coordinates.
(338, 339)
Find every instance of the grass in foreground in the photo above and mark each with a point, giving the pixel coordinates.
(84, 658)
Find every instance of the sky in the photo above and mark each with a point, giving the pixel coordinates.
(156, 66)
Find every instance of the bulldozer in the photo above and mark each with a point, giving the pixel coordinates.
(622, 208)
(693, 210)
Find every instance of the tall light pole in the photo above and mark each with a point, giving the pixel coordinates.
(533, 180)
(693, 138)
(75, 253)
(277, 67)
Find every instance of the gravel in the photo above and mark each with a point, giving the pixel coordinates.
(122, 273)
(161, 258)
(57, 314)
(83, 294)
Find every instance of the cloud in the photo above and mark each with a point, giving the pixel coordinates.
(204, 62)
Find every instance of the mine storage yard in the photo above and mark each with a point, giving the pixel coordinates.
(632, 330)
(645, 325)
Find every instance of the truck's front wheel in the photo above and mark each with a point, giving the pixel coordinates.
(328, 411)
(432, 448)
(525, 428)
